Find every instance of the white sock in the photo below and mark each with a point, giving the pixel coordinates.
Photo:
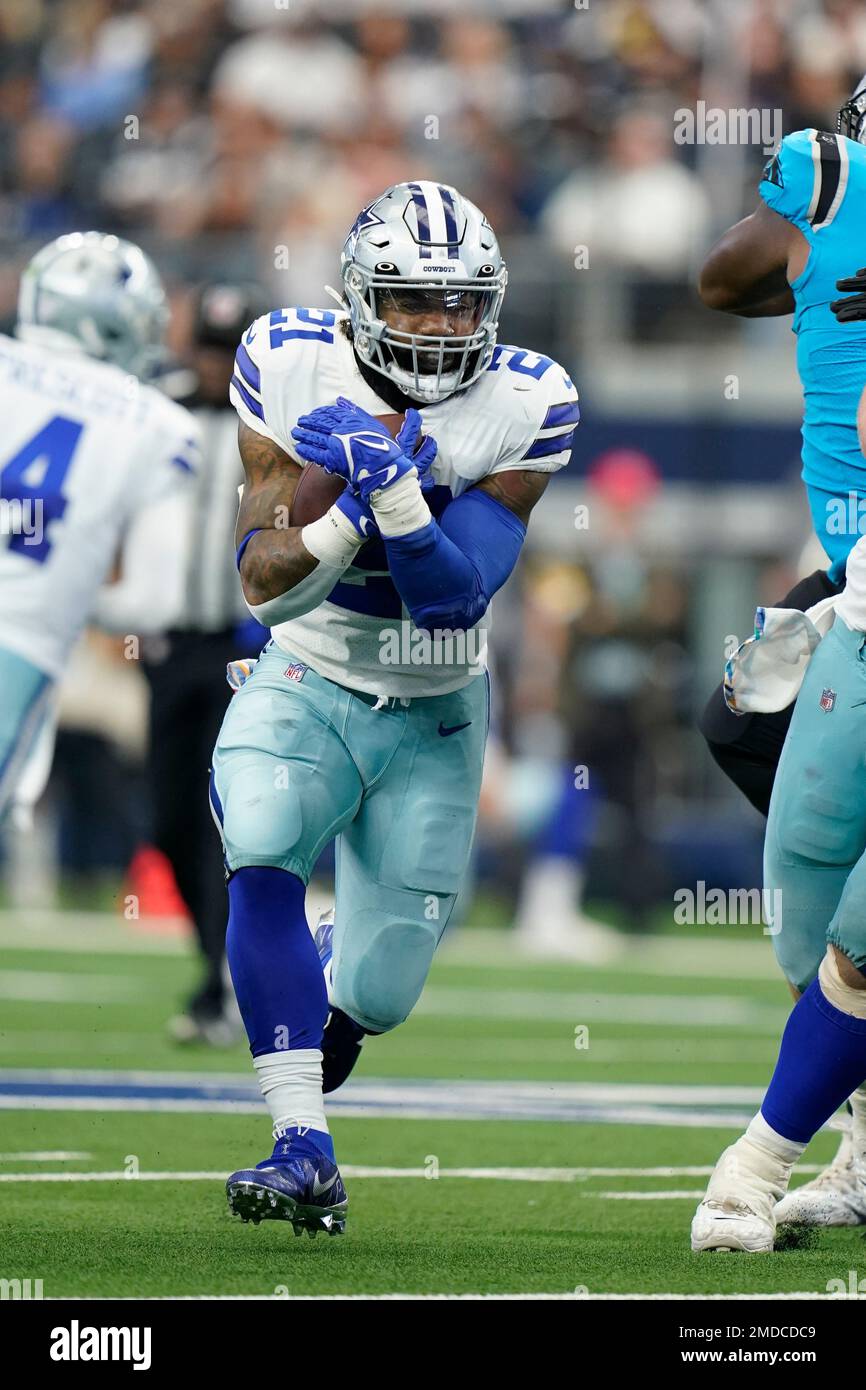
(762, 1134)
(291, 1083)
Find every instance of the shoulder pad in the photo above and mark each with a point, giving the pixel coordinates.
(283, 343)
(806, 179)
(547, 411)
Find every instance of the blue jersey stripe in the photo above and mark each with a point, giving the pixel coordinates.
(549, 448)
(450, 223)
(566, 414)
(249, 401)
(376, 597)
(248, 369)
(422, 214)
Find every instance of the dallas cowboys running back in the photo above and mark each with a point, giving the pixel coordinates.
(366, 716)
(86, 447)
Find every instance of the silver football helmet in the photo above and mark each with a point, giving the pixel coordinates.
(851, 120)
(425, 256)
(97, 294)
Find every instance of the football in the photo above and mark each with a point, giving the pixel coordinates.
(317, 489)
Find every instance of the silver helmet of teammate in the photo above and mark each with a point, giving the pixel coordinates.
(97, 294)
(423, 278)
(851, 120)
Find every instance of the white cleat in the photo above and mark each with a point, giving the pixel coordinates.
(720, 1225)
(837, 1197)
(738, 1212)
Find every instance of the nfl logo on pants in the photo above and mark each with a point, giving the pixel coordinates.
(828, 700)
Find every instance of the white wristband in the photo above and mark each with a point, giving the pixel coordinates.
(400, 508)
(332, 539)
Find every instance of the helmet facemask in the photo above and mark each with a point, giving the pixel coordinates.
(851, 120)
(423, 279)
(425, 366)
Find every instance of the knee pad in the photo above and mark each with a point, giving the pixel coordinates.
(820, 825)
(378, 982)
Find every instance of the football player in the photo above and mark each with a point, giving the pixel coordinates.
(366, 716)
(789, 256)
(815, 861)
(88, 446)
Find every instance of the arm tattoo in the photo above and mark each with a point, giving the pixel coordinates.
(276, 559)
(518, 489)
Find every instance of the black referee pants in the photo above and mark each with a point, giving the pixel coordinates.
(189, 696)
(747, 747)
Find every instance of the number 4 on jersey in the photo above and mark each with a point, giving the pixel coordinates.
(34, 479)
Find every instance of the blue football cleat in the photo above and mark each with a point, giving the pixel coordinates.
(343, 1037)
(298, 1183)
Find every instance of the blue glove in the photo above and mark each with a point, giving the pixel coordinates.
(359, 513)
(422, 457)
(352, 443)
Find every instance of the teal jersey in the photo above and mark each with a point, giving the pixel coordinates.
(817, 181)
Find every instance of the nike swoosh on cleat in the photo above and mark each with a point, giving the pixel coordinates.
(455, 728)
(319, 1188)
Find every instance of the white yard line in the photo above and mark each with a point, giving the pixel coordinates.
(714, 1107)
(54, 987)
(355, 1171)
(693, 954)
(82, 933)
(45, 1156)
(720, 1011)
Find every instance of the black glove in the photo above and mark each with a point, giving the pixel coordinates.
(853, 308)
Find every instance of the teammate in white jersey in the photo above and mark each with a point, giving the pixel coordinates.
(366, 716)
(86, 447)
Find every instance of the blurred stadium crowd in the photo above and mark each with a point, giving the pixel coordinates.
(236, 140)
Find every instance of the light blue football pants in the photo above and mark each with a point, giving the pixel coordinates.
(815, 849)
(299, 763)
(24, 692)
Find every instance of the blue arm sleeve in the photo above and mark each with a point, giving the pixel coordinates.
(447, 573)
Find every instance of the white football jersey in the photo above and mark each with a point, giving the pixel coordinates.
(520, 414)
(85, 446)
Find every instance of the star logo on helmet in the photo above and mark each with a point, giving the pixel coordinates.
(366, 218)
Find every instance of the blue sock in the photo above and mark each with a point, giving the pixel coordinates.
(274, 963)
(821, 1061)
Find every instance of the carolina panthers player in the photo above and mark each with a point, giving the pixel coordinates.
(87, 446)
(815, 860)
(339, 732)
(789, 255)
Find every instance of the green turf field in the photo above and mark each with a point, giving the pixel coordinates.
(659, 1058)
